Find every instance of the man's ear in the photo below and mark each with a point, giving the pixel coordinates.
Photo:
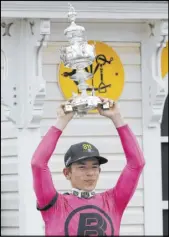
(66, 172)
(100, 169)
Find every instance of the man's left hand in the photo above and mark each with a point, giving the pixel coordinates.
(113, 112)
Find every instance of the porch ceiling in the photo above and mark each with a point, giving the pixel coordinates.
(107, 10)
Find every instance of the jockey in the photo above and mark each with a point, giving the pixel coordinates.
(81, 211)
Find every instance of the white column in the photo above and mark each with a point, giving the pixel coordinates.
(30, 221)
(154, 92)
(23, 94)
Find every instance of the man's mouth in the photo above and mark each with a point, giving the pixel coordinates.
(89, 181)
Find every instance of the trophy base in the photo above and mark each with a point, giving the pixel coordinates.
(82, 105)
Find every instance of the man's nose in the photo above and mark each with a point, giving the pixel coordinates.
(90, 172)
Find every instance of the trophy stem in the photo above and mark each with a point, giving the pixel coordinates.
(82, 87)
(81, 76)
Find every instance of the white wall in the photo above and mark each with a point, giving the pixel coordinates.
(9, 176)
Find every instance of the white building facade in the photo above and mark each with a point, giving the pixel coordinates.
(31, 36)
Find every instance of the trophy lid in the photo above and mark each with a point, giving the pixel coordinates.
(73, 30)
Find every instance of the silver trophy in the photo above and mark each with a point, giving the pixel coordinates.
(78, 55)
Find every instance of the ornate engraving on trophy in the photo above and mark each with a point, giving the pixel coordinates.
(81, 64)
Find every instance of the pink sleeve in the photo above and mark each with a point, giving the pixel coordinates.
(128, 180)
(42, 180)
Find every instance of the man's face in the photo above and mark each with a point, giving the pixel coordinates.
(83, 174)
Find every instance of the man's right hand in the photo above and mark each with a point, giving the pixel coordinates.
(63, 118)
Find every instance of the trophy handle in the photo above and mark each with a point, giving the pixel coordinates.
(105, 106)
(68, 108)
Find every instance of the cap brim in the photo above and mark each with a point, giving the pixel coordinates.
(101, 159)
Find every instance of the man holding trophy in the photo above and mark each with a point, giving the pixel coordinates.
(81, 211)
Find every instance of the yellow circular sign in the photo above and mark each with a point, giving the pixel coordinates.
(107, 70)
(164, 61)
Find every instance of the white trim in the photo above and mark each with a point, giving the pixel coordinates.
(164, 139)
(26, 90)
(117, 29)
(102, 10)
(165, 79)
(158, 86)
(153, 220)
(165, 205)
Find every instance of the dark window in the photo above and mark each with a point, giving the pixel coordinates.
(165, 222)
(164, 122)
(165, 170)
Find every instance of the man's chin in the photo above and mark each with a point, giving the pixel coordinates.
(89, 189)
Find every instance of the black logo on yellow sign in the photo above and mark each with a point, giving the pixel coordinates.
(101, 61)
(107, 70)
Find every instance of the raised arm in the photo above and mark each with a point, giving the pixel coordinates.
(42, 179)
(128, 180)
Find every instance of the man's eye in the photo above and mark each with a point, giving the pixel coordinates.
(81, 167)
(95, 167)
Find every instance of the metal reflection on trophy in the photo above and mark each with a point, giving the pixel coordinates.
(78, 55)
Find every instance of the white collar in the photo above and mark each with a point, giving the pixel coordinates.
(82, 193)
